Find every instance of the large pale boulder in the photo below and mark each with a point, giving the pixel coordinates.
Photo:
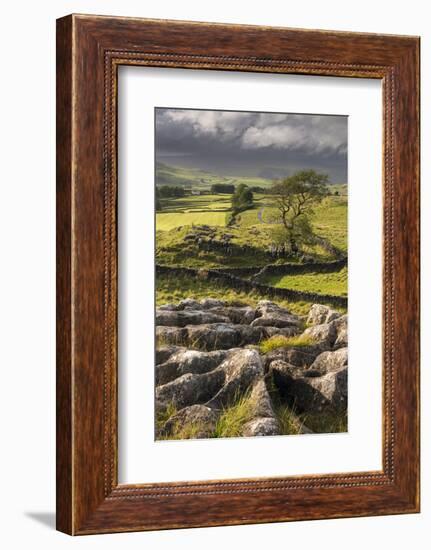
(241, 370)
(189, 361)
(187, 317)
(217, 388)
(307, 390)
(341, 327)
(209, 303)
(213, 336)
(272, 315)
(190, 389)
(320, 314)
(261, 426)
(330, 361)
(323, 336)
(236, 315)
(164, 352)
(332, 389)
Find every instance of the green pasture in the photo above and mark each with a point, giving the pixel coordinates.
(251, 237)
(166, 222)
(320, 283)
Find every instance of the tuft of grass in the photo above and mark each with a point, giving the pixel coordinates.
(326, 422)
(234, 417)
(187, 431)
(163, 415)
(290, 424)
(276, 342)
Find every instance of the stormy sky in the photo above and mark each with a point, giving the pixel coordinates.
(269, 145)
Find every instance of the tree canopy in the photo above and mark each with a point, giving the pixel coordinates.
(222, 188)
(242, 199)
(294, 199)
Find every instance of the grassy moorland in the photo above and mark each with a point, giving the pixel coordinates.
(252, 228)
(201, 179)
(239, 239)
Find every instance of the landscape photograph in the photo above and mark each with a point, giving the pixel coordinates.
(251, 271)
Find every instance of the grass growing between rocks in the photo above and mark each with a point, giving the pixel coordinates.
(289, 422)
(162, 416)
(233, 418)
(326, 422)
(174, 289)
(276, 342)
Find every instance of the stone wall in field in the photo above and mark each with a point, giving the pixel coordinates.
(227, 279)
(297, 269)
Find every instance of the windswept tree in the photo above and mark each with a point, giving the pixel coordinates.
(294, 198)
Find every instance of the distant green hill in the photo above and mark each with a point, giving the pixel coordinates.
(201, 179)
(193, 177)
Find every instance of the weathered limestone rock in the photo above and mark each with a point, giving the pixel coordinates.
(241, 371)
(187, 317)
(208, 357)
(189, 303)
(194, 422)
(189, 361)
(330, 361)
(190, 389)
(170, 336)
(308, 390)
(323, 336)
(261, 426)
(320, 314)
(272, 315)
(236, 315)
(168, 307)
(209, 303)
(341, 328)
(332, 388)
(293, 356)
(217, 388)
(164, 352)
(213, 336)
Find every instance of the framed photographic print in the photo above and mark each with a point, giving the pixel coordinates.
(237, 274)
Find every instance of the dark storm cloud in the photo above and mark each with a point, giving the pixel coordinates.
(265, 144)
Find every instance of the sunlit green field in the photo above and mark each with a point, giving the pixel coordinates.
(320, 283)
(330, 221)
(193, 210)
(166, 222)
